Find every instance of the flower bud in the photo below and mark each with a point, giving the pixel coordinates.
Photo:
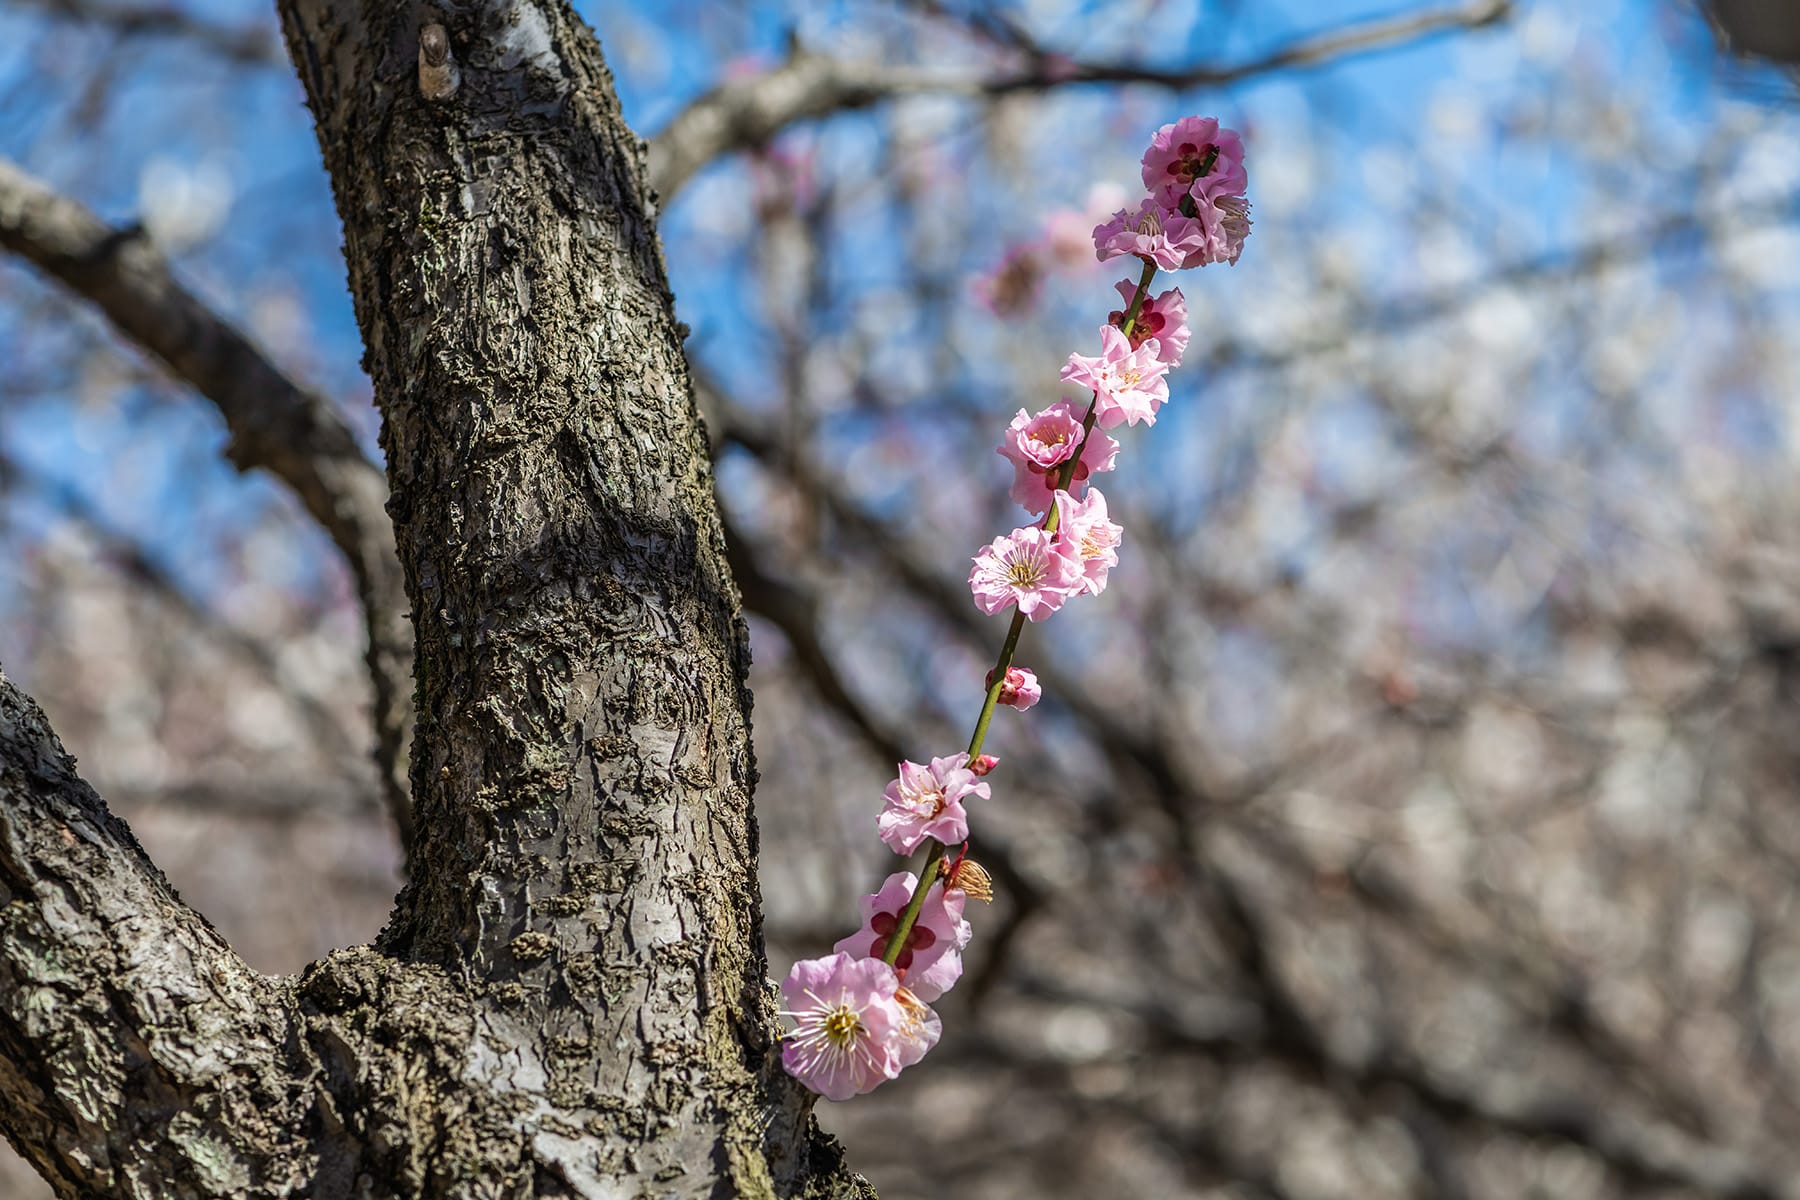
(1020, 690)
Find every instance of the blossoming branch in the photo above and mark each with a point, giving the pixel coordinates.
(862, 1014)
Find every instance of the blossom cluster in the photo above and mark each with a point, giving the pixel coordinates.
(863, 1013)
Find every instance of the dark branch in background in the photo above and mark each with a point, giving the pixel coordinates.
(275, 424)
(1665, 232)
(130, 560)
(796, 613)
(253, 45)
(1642, 1153)
(748, 113)
(1762, 28)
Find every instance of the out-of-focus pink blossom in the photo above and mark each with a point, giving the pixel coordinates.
(1065, 244)
(931, 960)
(1020, 689)
(1105, 196)
(1069, 238)
(1029, 568)
(1069, 233)
(1013, 285)
(925, 801)
(849, 1027)
(1128, 384)
(1084, 527)
(1163, 317)
(785, 180)
(1193, 150)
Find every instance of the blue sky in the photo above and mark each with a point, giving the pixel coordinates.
(208, 137)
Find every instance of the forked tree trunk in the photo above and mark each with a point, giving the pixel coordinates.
(571, 997)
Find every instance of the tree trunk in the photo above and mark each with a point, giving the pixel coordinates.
(571, 998)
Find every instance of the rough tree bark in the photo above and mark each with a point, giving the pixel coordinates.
(571, 997)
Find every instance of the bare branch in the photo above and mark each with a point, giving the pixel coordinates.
(1637, 1153)
(750, 112)
(134, 563)
(1757, 27)
(1557, 266)
(275, 424)
(248, 44)
(796, 613)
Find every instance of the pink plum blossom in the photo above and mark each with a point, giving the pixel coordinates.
(1037, 446)
(1128, 384)
(932, 959)
(1084, 526)
(1161, 317)
(1155, 234)
(1020, 689)
(1225, 223)
(1068, 238)
(1068, 241)
(920, 1028)
(926, 802)
(849, 1026)
(1194, 151)
(1029, 568)
(1046, 440)
(1012, 286)
(1101, 454)
(1196, 169)
(983, 764)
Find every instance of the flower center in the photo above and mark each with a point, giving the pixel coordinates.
(1195, 162)
(842, 1026)
(1149, 223)
(1149, 323)
(1025, 571)
(927, 801)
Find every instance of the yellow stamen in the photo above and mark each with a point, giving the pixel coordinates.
(972, 879)
(842, 1027)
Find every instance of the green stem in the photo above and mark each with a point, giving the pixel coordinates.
(935, 856)
(1126, 325)
(995, 685)
(928, 873)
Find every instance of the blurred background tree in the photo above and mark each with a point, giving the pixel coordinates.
(1416, 814)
